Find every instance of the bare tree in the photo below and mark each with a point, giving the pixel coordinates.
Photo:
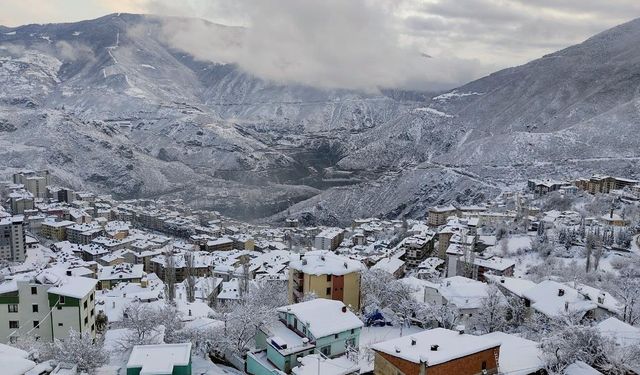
(574, 343)
(190, 278)
(170, 276)
(142, 324)
(80, 349)
(491, 317)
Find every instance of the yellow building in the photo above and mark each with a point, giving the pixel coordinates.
(55, 230)
(326, 275)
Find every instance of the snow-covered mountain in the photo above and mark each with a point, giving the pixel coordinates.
(107, 104)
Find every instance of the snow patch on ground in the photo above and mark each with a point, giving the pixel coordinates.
(455, 94)
(432, 111)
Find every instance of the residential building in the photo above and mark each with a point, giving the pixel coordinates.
(438, 215)
(34, 182)
(604, 184)
(47, 305)
(329, 239)
(437, 351)
(324, 327)
(20, 201)
(553, 299)
(219, 244)
(545, 186)
(55, 230)
(13, 244)
(476, 265)
(83, 233)
(394, 266)
(326, 275)
(160, 359)
(111, 276)
(464, 293)
(418, 248)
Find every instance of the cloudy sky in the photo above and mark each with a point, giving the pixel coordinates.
(360, 43)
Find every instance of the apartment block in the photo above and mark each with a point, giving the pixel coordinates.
(12, 239)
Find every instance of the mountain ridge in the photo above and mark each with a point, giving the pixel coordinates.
(107, 104)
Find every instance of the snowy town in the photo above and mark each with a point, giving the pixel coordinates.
(545, 280)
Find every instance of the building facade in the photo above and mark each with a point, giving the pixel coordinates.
(326, 275)
(12, 239)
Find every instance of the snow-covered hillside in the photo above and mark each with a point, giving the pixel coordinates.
(107, 104)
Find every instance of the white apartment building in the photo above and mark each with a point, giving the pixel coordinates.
(12, 239)
(46, 306)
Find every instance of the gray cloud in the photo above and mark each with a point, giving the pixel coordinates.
(73, 51)
(361, 44)
(352, 44)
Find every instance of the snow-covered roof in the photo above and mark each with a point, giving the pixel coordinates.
(622, 333)
(390, 265)
(441, 209)
(321, 262)
(494, 263)
(74, 287)
(552, 298)
(603, 299)
(285, 340)
(324, 317)
(580, 368)
(518, 356)
(514, 285)
(463, 292)
(451, 345)
(330, 233)
(310, 365)
(121, 271)
(14, 361)
(159, 359)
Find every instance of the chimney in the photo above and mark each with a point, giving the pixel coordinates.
(413, 341)
(322, 257)
(68, 272)
(560, 292)
(502, 280)
(566, 306)
(434, 348)
(344, 309)
(397, 349)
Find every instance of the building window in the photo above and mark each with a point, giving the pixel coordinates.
(93, 327)
(86, 320)
(91, 297)
(59, 307)
(353, 331)
(62, 300)
(34, 290)
(328, 278)
(36, 324)
(86, 304)
(350, 343)
(328, 291)
(60, 324)
(13, 308)
(13, 324)
(326, 350)
(34, 308)
(13, 339)
(484, 365)
(93, 311)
